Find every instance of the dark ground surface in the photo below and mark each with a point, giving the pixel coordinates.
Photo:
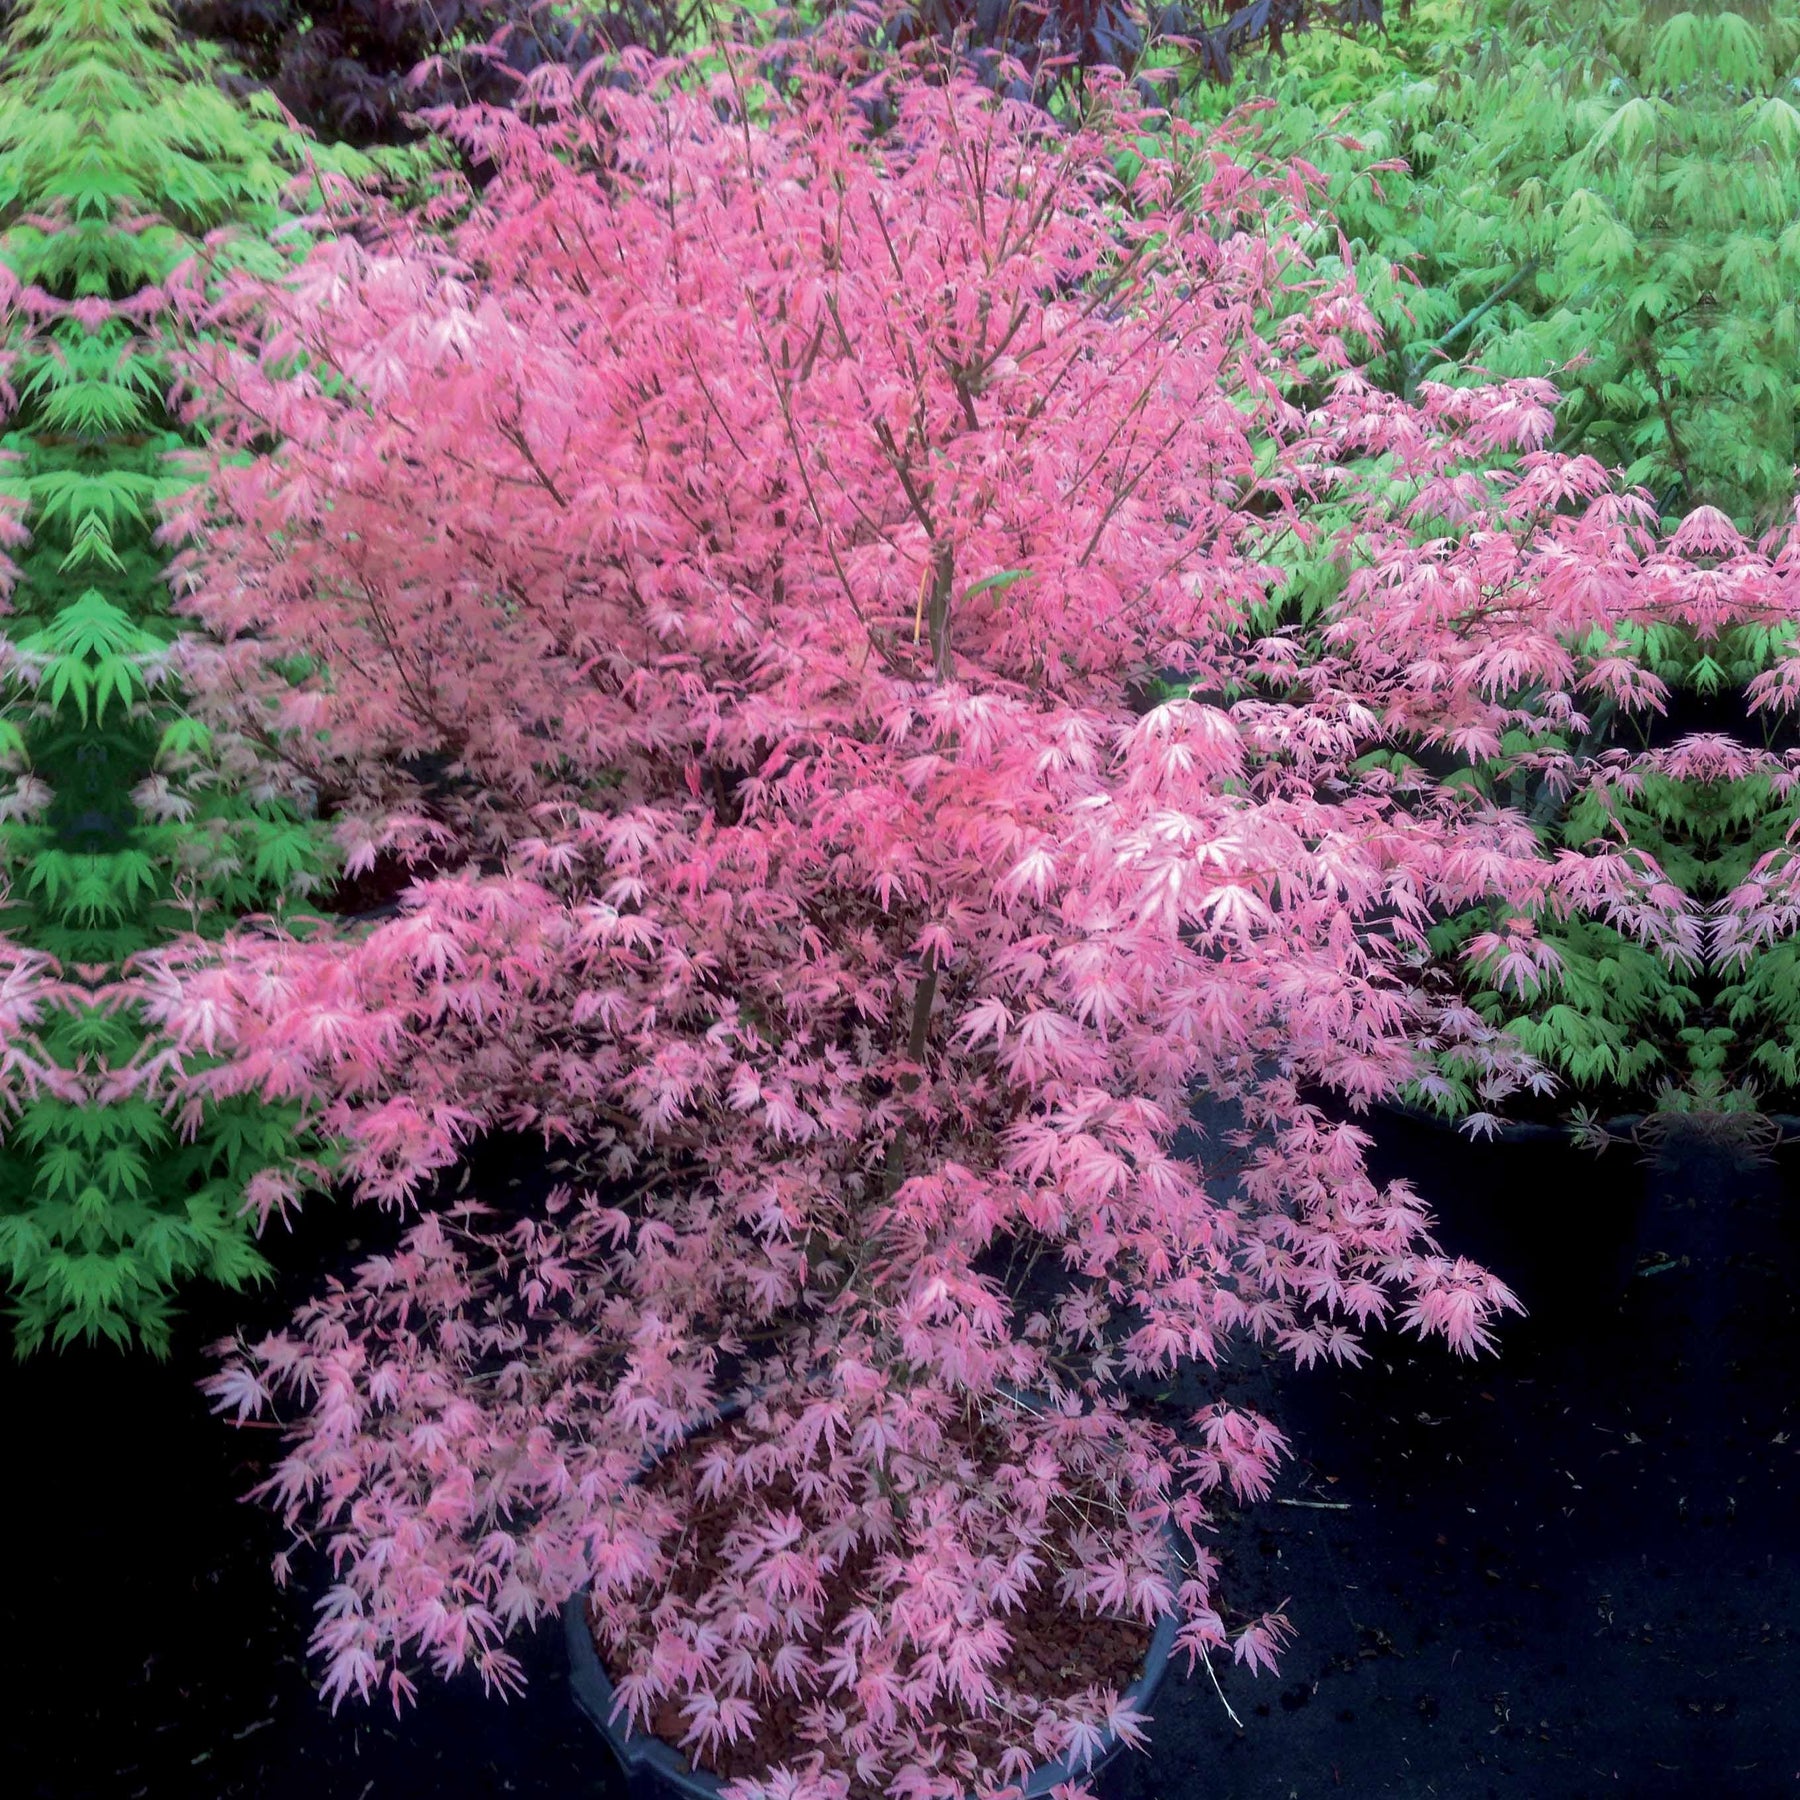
(1567, 1571)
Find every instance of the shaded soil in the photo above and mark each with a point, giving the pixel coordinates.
(1571, 1570)
(1055, 1653)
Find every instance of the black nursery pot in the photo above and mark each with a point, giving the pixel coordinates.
(657, 1768)
(654, 1767)
(1557, 1222)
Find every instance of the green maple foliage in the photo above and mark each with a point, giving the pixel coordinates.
(1613, 1018)
(119, 159)
(1607, 193)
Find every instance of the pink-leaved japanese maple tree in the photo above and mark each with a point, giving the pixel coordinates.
(751, 566)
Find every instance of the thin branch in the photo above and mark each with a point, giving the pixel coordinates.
(1415, 365)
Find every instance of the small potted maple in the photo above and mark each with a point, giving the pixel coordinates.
(1665, 1027)
(1579, 999)
(1637, 1016)
(735, 549)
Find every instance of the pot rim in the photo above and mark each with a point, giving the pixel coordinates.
(1622, 1127)
(1511, 1131)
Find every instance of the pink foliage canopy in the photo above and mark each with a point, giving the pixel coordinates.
(736, 553)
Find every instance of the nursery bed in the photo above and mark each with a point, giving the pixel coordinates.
(1570, 1571)
(148, 1655)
